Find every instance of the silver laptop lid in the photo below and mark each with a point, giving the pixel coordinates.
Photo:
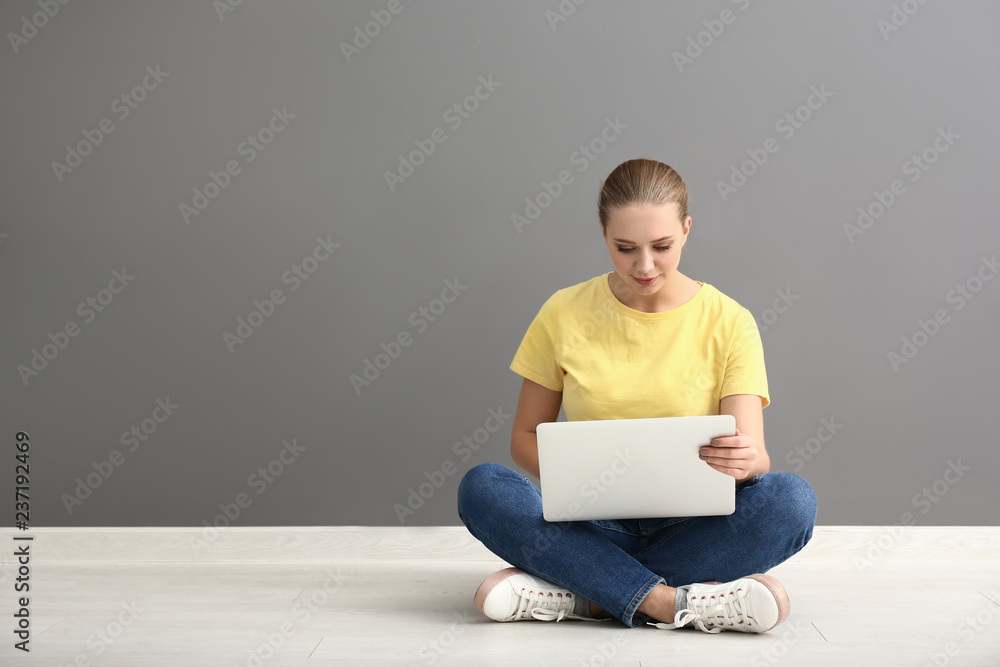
(632, 468)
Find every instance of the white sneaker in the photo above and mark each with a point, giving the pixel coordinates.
(514, 595)
(755, 603)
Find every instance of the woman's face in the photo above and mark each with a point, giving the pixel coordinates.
(635, 239)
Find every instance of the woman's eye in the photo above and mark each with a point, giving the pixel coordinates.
(627, 250)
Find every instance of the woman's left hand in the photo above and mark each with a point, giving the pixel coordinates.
(734, 455)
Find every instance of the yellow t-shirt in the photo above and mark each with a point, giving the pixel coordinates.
(614, 362)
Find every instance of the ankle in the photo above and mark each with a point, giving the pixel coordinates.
(595, 611)
(669, 603)
(659, 603)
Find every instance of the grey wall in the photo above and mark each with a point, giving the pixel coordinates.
(851, 296)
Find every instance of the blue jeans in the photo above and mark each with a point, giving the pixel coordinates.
(616, 563)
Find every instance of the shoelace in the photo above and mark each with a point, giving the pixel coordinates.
(727, 612)
(544, 606)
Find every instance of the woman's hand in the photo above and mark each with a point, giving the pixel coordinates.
(734, 455)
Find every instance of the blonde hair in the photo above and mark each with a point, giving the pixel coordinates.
(641, 182)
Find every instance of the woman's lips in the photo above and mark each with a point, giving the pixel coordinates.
(648, 281)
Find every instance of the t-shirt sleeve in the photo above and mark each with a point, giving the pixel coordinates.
(745, 372)
(535, 358)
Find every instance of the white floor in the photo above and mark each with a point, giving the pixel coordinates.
(403, 596)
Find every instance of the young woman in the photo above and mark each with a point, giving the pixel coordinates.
(644, 340)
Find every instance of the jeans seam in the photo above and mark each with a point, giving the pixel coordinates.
(633, 605)
(617, 529)
(668, 532)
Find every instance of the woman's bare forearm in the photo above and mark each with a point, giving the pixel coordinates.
(524, 451)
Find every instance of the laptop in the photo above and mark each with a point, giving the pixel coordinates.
(632, 468)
